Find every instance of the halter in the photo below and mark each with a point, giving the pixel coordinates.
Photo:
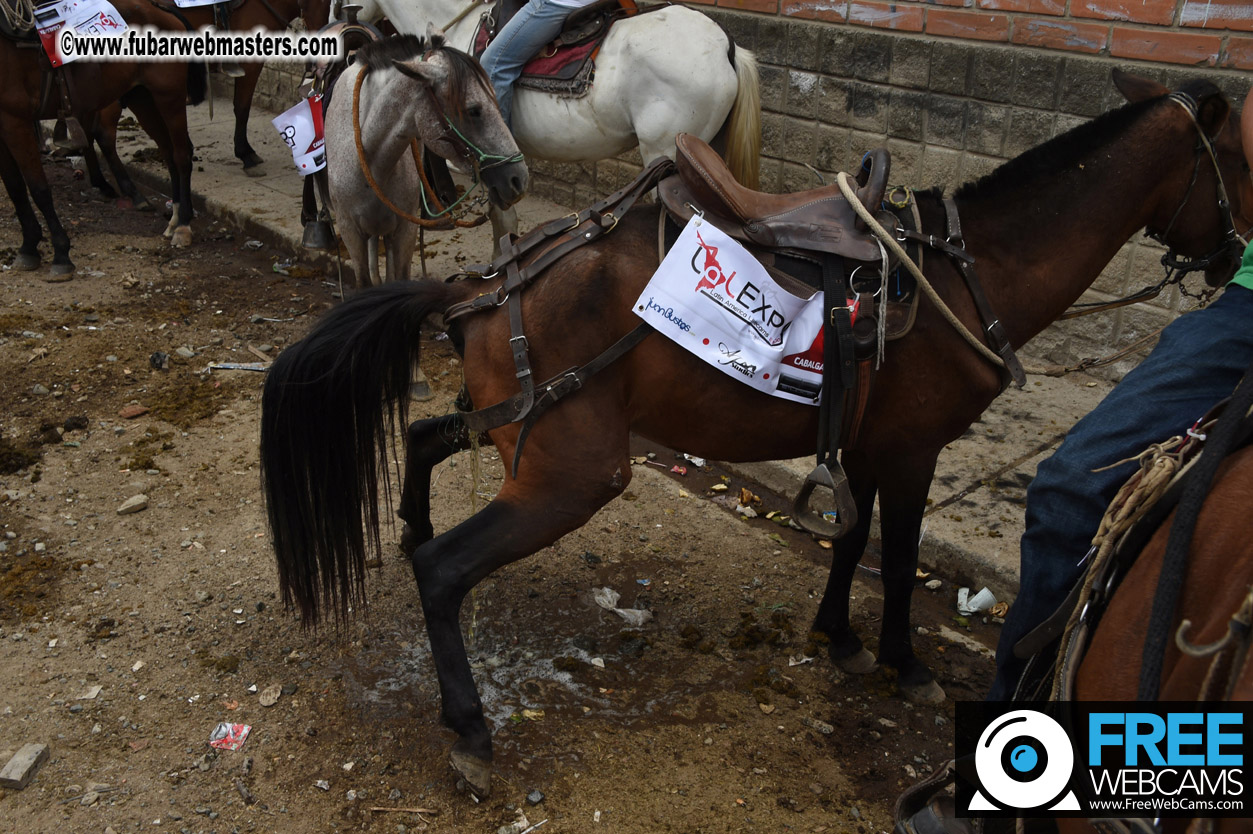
(479, 160)
(1233, 242)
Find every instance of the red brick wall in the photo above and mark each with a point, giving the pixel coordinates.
(1207, 33)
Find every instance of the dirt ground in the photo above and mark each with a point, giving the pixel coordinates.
(126, 639)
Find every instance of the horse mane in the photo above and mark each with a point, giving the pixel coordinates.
(463, 69)
(1065, 152)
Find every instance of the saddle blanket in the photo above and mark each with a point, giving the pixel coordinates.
(712, 297)
(86, 17)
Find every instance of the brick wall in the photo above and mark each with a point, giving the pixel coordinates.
(953, 88)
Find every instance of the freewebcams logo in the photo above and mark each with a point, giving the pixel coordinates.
(1024, 761)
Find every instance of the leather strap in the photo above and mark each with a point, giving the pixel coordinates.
(992, 326)
(837, 358)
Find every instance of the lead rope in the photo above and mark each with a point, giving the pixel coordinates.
(883, 234)
(20, 14)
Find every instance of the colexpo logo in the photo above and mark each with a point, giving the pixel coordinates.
(1024, 761)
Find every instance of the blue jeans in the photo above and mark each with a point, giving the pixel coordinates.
(1198, 361)
(529, 31)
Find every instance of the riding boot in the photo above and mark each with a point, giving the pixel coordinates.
(67, 134)
(222, 20)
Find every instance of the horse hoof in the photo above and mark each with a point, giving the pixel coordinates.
(181, 237)
(26, 262)
(420, 391)
(59, 274)
(257, 170)
(923, 693)
(858, 664)
(476, 772)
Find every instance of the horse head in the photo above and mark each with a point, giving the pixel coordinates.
(464, 122)
(1207, 210)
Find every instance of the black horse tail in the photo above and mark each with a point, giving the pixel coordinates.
(331, 403)
(197, 82)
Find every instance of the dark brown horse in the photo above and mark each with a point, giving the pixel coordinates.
(156, 93)
(1041, 228)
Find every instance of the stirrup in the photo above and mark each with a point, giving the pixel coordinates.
(69, 135)
(318, 236)
(845, 508)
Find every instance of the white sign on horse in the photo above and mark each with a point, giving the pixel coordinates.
(712, 297)
(301, 129)
(86, 17)
(191, 4)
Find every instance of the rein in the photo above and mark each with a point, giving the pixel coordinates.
(468, 150)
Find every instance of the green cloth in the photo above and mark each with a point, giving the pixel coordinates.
(1244, 275)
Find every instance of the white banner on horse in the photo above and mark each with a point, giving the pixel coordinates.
(191, 4)
(86, 17)
(301, 129)
(717, 301)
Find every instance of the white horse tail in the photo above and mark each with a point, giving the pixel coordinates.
(743, 125)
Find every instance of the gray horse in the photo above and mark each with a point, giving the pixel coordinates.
(420, 89)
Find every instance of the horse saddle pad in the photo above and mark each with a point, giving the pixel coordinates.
(567, 64)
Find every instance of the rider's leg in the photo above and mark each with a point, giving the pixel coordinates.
(1198, 361)
(533, 27)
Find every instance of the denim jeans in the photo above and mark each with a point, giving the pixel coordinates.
(529, 31)
(1198, 361)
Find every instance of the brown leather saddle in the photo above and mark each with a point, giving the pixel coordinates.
(821, 228)
(820, 220)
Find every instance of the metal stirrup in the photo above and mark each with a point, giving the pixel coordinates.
(845, 508)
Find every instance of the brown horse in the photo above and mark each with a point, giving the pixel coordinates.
(1040, 228)
(156, 93)
(266, 14)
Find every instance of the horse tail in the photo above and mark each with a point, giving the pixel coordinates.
(330, 404)
(197, 82)
(743, 125)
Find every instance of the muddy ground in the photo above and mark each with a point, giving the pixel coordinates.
(126, 639)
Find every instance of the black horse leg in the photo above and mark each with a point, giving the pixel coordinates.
(245, 86)
(901, 506)
(429, 443)
(95, 175)
(845, 647)
(105, 134)
(11, 174)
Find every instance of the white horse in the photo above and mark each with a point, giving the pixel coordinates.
(413, 90)
(657, 75)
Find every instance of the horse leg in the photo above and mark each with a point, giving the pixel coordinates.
(400, 245)
(105, 134)
(428, 443)
(245, 86)
(170, 134)
(901, 504)
(28, 253)
(503, 222)
(95, 175)
(26, 157)
(358, 249)
(527, 515)
(845, 647)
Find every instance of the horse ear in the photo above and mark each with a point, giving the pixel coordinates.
(434, 36)
(422, 71)
(1135, 88)
(1212, 113)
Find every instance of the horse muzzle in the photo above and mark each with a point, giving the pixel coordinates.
(506, 183)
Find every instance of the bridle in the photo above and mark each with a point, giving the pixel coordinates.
(477, 159)
(1233, 243)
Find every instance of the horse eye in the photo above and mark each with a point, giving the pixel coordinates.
(475, 111)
